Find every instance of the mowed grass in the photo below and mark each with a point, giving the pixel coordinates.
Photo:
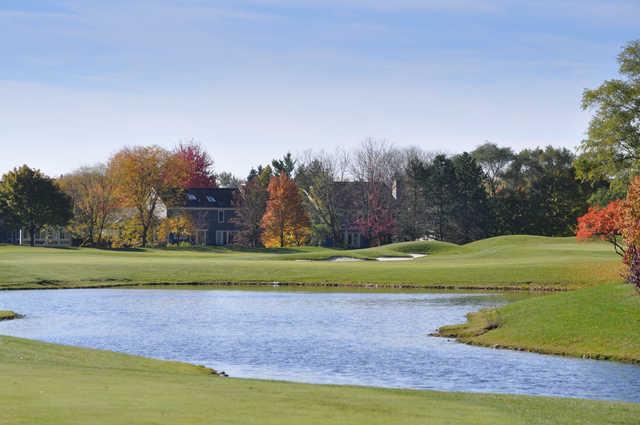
(509, 261)
(48, 384)
(601, 322)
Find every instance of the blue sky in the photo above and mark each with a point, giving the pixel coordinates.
(251, 79)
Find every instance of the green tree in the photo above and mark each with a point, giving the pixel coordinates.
(471, 210)
(541, 195)
(34, 200)
(611, 151)
(286, 165)
(439, 189)
(494, 161)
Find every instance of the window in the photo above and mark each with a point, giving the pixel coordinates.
(192, 197)
(224, 237)
(211, 199)
(220, 216)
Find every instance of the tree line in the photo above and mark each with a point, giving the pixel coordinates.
(383, 192)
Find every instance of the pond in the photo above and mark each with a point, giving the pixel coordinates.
(361, 338)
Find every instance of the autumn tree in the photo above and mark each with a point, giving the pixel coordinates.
(33, 200)
(377, 222)
(285, 221)
(177, 229)
(199, 166)
(630, 226)
(605, 223)
(94, 202)
(144, 178)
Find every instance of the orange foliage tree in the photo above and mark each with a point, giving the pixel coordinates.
(144, 176)
(285, 222)
(630, 224)
(605, 223)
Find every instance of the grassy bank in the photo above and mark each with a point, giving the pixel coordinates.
(525, 262)
(601, 322)
(7, 315)
(51, 384)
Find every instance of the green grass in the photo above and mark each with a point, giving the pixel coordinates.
(48, 384)
(601, 322)
(526, 262)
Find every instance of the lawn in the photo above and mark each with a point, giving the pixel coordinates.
(601, 322)
(525, 262)
(48, 384)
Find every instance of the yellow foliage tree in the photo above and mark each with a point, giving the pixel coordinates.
(176, 229)
(285, 222)
(144, 177)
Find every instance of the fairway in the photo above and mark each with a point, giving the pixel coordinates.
(522, 262)
(48, 384)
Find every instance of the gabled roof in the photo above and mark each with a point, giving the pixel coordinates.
(207, 198)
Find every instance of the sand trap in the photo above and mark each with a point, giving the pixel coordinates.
(410, 258)
(344, 259)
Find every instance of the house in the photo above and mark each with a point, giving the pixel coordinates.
(211, 211)
(48, 236)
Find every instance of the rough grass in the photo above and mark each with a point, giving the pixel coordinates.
(601, 322)
(48, 384)
(525, 262)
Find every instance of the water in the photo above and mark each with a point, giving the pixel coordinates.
(375, 339)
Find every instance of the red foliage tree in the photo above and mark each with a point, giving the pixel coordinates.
(377, 221)
(199, 165)
(605, 223)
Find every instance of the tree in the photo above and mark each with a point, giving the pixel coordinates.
(286, 165)
(250, 203)
(227, 179)
(145, 176)
(412, 218)
(177, 229)
(630, 226)
(439, 188)
(199, 166)
(603, 222)
(285, 221)
(540, 194)
(317, 177)
(471, 212)
(34, 200)
(378, 222)
(94, 202)
(494, 161)
(611, 151)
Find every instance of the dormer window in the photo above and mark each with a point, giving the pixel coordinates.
(211, 199)
(192, 197)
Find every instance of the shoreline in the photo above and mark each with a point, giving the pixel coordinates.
(264, 284)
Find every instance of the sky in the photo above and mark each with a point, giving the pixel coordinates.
(253, 79)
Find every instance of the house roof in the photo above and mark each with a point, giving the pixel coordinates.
(207, 198)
